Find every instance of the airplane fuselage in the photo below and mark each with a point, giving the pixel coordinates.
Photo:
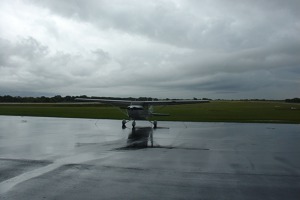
(138, 112)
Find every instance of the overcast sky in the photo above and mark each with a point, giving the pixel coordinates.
(160, 48)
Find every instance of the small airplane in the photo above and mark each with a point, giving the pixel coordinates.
(141, 110)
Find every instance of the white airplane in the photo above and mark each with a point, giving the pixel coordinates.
(141, 110)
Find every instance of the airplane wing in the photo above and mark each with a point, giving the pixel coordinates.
(143, 103)
(173, 102)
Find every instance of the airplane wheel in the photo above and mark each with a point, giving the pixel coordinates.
(133, 124)
(123, 122)
(155, 124)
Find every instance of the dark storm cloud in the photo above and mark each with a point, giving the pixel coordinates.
(28, 65)
(25, 65)
(172, 48)
(193, 24)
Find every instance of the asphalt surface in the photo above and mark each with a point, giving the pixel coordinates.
(56, 158)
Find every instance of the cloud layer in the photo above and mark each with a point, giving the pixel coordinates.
(169, 48)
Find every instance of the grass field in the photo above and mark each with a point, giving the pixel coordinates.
(215, 111)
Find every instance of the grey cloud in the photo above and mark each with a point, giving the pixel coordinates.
(31, 49)
(26, 49)
(176, 48)
(225, 82)
(102, 57)
(228, 25)
(27, 64)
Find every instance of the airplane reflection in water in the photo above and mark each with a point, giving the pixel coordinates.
(142, 137)
(139, 138)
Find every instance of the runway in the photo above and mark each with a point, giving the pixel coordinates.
(59, 158)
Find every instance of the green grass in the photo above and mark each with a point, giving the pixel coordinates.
(236, 111)
(215, 111)
(62, 110)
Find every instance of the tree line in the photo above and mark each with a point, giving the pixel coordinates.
(294, 100)
(69, 99)
(61, 99)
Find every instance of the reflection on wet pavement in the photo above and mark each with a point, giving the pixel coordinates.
(53, 158)
(139, 138)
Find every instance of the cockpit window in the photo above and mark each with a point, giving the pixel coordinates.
(134, 108)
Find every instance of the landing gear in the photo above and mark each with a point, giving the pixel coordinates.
(124, 123)
(155, 124)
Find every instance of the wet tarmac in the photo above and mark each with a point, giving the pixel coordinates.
(58, 158)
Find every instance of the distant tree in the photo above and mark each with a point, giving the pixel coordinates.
(145, 99)
(294, 100)
(69, 99)
(59, 98)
